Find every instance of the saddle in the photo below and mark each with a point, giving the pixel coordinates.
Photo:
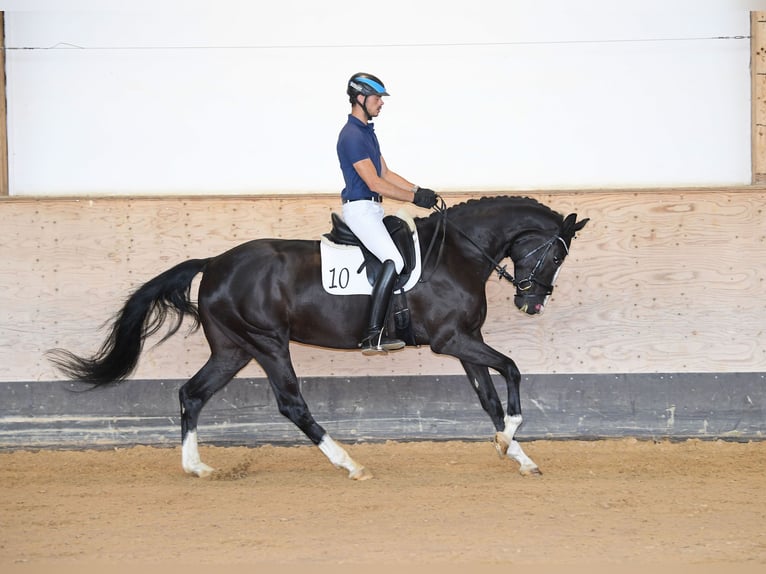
(400, 232)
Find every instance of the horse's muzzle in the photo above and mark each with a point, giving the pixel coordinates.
(529, 305)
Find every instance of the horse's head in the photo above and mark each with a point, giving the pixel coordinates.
(537, 256)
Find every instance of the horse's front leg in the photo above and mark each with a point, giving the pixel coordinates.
(505, 425)
(505, 442)
(506, 445)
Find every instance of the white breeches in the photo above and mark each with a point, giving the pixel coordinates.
(365, 218)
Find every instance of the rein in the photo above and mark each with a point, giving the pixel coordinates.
(520, 284)
(441, 209)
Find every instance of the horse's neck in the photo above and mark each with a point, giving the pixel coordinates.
(475, 240)
(490, 229)
(487, 231)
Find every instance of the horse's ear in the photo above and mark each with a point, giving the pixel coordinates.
(570, 226)
(581, 224)
(567, 227)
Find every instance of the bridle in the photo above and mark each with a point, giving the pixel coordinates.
(521, 285)
(526, 283)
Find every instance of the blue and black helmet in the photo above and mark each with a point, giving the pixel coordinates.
(365, 84)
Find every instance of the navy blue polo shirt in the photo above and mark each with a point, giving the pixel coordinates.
(357, 141)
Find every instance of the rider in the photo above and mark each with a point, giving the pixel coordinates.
(368, 180)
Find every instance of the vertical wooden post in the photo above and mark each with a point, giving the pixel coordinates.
(3, 114)
(758, 96)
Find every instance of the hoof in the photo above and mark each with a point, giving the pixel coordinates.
(201, 470)
(501, 444)
(530, 471)
(360, 474)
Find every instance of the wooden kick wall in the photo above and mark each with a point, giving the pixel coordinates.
(669, 281)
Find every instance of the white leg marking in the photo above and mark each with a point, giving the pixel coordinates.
(505, 444)
(512, 424)
(190, 459)
(340, 459)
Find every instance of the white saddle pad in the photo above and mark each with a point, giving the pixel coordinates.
(341, 274)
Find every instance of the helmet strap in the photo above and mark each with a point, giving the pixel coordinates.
(364, 107)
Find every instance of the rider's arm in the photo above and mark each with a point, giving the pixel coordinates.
(388, 184)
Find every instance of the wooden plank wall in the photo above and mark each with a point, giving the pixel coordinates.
(758, 96)
(3, 114)
(659, 281)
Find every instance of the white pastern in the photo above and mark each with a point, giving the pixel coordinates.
(340, 459)
(190, 459)
(513, 449)
(512, 424)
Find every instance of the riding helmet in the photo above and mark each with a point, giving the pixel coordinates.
(365, 84)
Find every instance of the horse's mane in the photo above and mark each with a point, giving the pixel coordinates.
(497, 202)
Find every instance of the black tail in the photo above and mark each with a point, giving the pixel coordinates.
(142, 315)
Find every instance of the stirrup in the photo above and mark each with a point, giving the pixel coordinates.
(377, 344)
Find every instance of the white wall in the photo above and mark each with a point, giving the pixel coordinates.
(247, 97)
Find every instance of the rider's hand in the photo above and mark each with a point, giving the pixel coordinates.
(424, 198)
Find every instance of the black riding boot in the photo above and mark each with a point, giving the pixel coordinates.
(375, 341)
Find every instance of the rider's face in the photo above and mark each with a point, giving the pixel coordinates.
(374, 104)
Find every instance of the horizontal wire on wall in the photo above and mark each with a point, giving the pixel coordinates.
(70, 46)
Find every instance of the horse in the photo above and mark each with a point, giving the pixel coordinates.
(257, 297)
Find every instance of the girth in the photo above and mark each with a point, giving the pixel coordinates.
(400, 233)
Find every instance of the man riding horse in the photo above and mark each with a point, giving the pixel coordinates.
(368, 180)
(256, 298)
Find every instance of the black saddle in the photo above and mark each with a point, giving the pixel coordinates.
(401, 234)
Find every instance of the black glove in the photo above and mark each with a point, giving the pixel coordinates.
(425, 198)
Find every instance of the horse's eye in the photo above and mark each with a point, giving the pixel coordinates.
(557, 260)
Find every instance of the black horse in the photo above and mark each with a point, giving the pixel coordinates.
(257, 297)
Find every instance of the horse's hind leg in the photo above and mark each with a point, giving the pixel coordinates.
(274, 356)
(194, 394)
(292, 405)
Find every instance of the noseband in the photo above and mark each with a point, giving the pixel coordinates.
(526, 283)
(521, 285)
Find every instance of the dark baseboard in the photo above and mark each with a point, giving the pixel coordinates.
(52, 414)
